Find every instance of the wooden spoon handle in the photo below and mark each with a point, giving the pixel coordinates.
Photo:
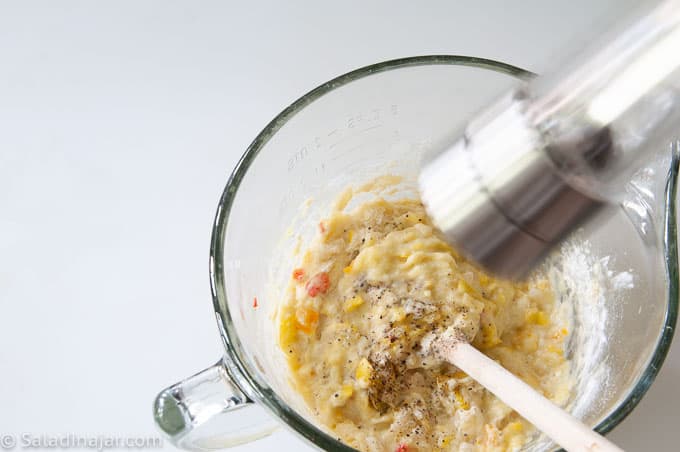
(560, 426)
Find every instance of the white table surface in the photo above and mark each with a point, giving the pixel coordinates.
(119, 124)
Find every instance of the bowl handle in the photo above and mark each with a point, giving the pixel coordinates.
(208, 411)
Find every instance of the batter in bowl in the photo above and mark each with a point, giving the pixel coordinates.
(372, 290)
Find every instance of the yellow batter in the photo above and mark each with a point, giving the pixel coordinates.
(378, 283)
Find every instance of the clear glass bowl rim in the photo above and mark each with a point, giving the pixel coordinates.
(265, 396)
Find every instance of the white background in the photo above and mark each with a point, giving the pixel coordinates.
(119, 124)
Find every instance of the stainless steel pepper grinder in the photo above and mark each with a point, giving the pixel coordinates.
(531, 167)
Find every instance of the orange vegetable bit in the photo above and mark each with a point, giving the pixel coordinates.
(298, 274)
(306, 319)
(255, 305)
(322, 228)
(317, 284)
(401, 448)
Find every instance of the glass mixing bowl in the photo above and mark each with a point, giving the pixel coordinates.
(376, 120)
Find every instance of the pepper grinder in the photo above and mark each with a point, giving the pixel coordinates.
(532, 166)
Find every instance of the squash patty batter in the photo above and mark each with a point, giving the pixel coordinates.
(375, 285)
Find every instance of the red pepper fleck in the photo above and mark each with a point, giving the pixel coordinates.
(255, 305)
(402, 448)
(317, 284)
(322, 228)
(298, 274)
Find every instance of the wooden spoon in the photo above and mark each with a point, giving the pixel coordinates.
(560, 426)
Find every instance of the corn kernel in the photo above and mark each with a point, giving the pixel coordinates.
(287, 331)
(556, 350)
(411, 218)
(363, 372)
(564, 332)
(347, 391)
(514, 427)
(460, 400)
(306, 319)
(347, 269)
(537, 318)
(446, 441)
(499, 297)
(490, 336)
(339, 398)
(353, 303)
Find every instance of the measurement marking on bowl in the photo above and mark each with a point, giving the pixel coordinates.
(371, 128)
(370, 116)
(303, 152)
(297, 157)
(368, 129)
